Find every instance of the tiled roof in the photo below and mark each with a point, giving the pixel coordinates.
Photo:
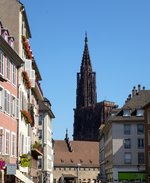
(139, 100)
(84, 153)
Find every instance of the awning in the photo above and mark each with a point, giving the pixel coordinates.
(131, 175)
(22, 177)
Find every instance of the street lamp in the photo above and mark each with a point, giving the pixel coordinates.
(78, 165)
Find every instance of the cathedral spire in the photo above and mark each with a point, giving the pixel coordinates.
(86, 62)
(86, 80)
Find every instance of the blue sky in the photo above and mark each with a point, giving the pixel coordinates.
(119, 45)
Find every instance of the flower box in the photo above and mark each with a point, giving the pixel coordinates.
(26, 116)
(26, 79)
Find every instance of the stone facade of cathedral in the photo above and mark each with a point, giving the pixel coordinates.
(88, 114)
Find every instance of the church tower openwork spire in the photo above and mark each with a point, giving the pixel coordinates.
(86, 81)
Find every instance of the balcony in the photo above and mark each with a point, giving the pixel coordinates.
(36, 150)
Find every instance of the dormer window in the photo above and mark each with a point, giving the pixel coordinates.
(126, 112)
(11, 41)
(5, 34)
(140, 112)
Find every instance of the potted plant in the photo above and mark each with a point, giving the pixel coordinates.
(26, 79)
(25, 160)
(26, 116)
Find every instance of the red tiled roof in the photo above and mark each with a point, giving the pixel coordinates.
(84, 153)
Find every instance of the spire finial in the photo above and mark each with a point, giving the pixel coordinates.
(66, 133)
(86, 39)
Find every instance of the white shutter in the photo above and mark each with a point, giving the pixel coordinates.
(17, 108)
(32, 78)
(8, 103)
(28, 67)
(1, 98)
(20, 99)
(5, 101)
(29, 144)
(11, 105)
(26, 145)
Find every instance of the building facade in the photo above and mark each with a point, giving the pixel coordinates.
(122, 141)
(147, 141)
(75, 161)
(9, 100)
(45, 128)
(20, 88)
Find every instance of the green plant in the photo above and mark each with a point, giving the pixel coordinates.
(25, 160)
(36, 145)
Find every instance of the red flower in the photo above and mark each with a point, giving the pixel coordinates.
(26, 79)
(26, 116)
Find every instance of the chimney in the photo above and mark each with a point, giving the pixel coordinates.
(129, 96)
(133, 93)
(143, 87)
(139, 88)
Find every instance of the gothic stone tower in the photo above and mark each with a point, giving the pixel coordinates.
(85, 117)
(88, 115)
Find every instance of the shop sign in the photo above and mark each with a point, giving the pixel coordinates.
(11, 169)
(2, 164)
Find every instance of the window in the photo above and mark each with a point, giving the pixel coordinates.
(40, 119)
(40, 163)
(1, 63)
(140, 112)
(141, 143)
(1, 140)
(20, 97)
(12, 105)
(127, 143)
(127, 129)
(22, 144)
(8, 69)
(141, 158)
(140, 129)
(127, 158)
(1, 98)
(13, 144)
(17, 108)
(7, 102)
(29, 144)
(40, 134)
(7, 141)
(14, 74)
(126, 112)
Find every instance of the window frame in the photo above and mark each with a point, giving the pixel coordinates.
(127, 130)
(127, 162)
(14, 74)
(126, 112)
(1, 98)
(127, 143)
(2, 141)
(1, 63)
(140, 143)
(8, 69)
(7, 140)
(13, 144)
(138, 130)
(139, 158)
